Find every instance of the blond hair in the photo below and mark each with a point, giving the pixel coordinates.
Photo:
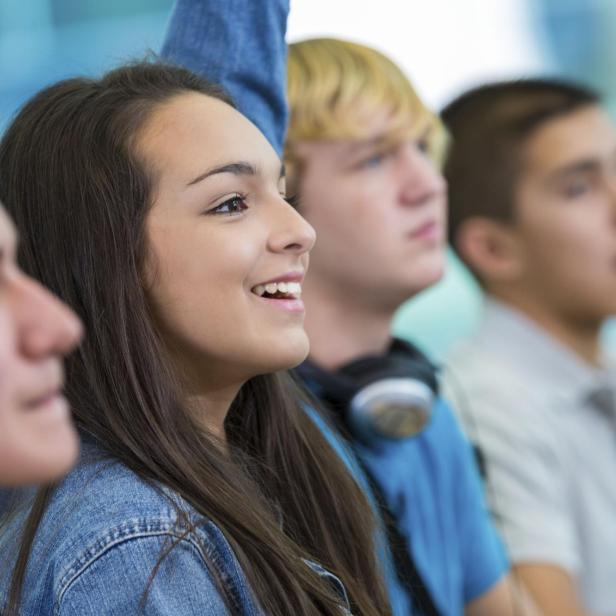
(335, 87)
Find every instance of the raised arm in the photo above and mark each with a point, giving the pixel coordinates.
(241, 45)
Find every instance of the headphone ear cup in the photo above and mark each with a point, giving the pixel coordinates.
(379, 396)
(394, 394)
(394, 409)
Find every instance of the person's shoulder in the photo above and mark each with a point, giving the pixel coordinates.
(103, 500)
(508, 359)
(473, 361)
(443, 427)
(101, 507)
(102, 491)
(482, 384)
(434, 451)
(496, 395)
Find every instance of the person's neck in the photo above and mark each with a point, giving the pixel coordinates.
(341, 330)
(582, 337)
(211, 409)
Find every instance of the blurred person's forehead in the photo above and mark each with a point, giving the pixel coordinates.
(383, 140)
(388, 124)
(380, 129)
(578, 141)
(386, 137)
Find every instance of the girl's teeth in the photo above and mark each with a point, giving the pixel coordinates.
(286, 288)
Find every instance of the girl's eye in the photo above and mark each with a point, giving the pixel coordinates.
(235, 205)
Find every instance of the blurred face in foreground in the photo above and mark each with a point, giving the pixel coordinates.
(38, 442)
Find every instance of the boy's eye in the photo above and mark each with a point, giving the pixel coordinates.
(235, 205)
(577, 188)
(372, 161)
(423, 145)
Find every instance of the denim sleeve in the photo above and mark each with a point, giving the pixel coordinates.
(239, 44)
(114, 583)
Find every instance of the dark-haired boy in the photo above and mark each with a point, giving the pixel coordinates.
(532, 186)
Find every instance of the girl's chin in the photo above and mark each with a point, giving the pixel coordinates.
(288, 356)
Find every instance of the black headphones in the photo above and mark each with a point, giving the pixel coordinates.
(387, 396)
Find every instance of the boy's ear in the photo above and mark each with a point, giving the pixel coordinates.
(491, 248)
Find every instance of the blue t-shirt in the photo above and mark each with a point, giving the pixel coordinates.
(431, 485)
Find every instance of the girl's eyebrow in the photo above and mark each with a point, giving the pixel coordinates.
(236, 168)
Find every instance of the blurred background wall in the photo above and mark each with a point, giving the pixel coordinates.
(445, 46)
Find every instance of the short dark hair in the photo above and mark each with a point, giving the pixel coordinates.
(489, 127)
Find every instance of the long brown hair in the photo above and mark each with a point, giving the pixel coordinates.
(79, 194)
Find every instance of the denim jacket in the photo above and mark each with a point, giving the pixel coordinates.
(99, 542)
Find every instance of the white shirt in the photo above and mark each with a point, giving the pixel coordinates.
(545, 422)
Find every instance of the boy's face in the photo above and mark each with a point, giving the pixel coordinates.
(565, 222)
(379, 214)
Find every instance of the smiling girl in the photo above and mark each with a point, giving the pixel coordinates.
(158, 213)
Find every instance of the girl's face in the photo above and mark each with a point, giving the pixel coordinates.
(227, 254)
(37, 439)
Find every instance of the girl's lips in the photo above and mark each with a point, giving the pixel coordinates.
(288, 277)
(292, 305)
